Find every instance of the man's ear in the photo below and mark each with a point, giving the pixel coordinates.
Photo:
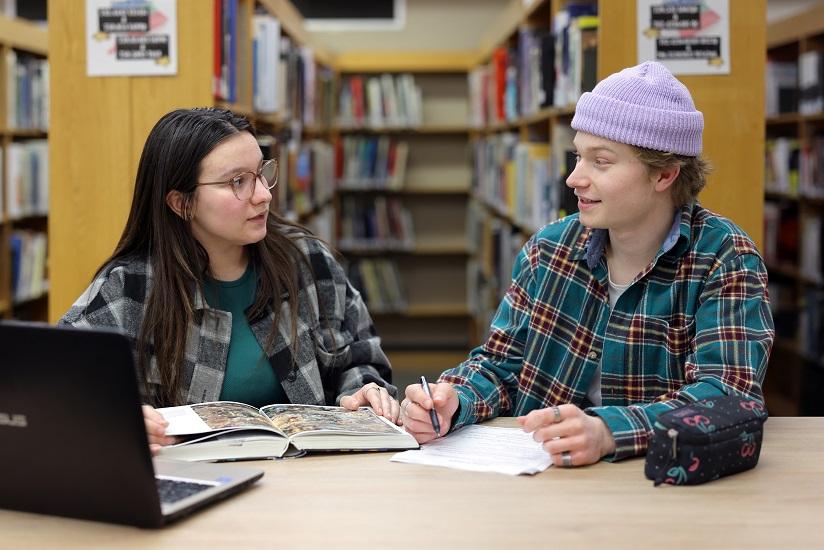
(175, 201)
(663, 178)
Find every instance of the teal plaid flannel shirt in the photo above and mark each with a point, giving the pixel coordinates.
(694, 324)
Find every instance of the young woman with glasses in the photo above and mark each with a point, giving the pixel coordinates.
(223, 298)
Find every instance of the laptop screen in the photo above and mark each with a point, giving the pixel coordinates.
(70, 415)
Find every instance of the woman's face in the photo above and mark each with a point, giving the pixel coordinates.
(221, 223)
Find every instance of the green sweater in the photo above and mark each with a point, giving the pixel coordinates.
(249, 376)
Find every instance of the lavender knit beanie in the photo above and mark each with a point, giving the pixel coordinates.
(644, 106)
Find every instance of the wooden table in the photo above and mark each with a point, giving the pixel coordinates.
(365, 501)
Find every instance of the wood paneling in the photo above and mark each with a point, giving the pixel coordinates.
(98, 127)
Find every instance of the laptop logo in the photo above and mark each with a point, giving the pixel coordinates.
(13, 420)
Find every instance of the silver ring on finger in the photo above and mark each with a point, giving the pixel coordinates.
(557, 412)
(566, 459)
(376, 388)
(404, 406)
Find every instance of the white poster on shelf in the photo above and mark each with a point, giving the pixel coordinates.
(131, 37)
(690, 37)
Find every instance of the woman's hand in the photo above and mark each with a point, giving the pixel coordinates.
(569, 435)
(415, 410)
(372, 395)
(156, 429)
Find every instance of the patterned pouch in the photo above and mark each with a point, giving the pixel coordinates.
(705, 440)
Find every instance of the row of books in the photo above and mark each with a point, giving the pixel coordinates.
(545, 68)
(374, 224)
(34, 11)
(27, 183)
(576, 52)
(793, 240)
(380, 101)
(795, 86)
(368, 162)
(27, 91)
(228, 78)
(306, 173)
(28, 265)
(285, 79)
(781, 233)
(811, 326)
(784, 300)
(525, 181)
(269, 91)
(488, 278)
(795, 169)
(810, 248)
(322, 223)
(379, 282)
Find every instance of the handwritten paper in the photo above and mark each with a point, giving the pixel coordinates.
(482, 449)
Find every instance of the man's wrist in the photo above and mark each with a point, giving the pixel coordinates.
(607, 440)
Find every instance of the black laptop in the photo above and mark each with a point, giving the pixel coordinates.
(72, 437)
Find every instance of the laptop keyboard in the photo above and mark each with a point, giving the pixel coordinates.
(172, 490)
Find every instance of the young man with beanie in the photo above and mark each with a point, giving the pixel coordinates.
(639, 303)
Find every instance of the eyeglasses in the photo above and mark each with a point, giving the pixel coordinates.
(243, 184)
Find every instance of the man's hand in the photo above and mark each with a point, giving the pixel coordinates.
(415, 410)
(568, 429)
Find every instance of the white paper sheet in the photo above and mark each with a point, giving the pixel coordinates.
(482, 449)
(183, 420)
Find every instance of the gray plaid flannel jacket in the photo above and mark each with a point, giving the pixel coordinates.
(338, 348)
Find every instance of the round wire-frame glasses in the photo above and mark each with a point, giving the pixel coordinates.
(243, 184)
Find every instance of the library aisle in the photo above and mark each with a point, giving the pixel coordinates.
(425, 159)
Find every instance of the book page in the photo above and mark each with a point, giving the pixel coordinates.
(211, 417)
(482, 449)
(300, 419)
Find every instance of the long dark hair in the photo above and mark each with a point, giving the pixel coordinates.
(171, 162)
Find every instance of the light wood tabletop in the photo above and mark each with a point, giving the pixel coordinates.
(363, 500)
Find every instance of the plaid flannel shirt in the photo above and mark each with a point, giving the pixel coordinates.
(338, 348)
(694, 324)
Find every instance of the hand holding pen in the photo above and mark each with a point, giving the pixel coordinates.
(427, 410)
(433, 416)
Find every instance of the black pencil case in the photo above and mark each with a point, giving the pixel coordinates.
(705, 440)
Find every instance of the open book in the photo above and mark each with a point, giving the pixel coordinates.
(225, 430)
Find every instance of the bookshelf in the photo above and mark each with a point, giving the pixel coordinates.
(794, 209)
(519, 140)
(100, 125)
(735, 188)
(430, 329)
(23, 192)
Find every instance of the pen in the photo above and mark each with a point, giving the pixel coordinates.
(432, 414)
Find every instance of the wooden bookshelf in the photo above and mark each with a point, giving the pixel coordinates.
(429, 129)
(793, 378)
(24, 35)
(440, 309)
(436, 246)
(100, 126)
(730, 192)
(434, 192)
(403, 62)
(26, 38)
(411, 360)
(434, 187)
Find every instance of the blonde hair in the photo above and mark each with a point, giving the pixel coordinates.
(690, 181)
